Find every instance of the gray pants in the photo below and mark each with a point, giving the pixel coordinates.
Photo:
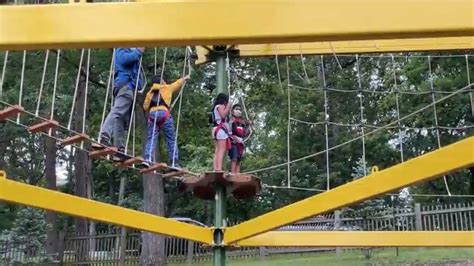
(118, 117)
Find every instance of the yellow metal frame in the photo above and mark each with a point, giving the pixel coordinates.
(428, 166)
(19, 193)
(361, 239)
(189, 22)
(348, 47)
(357, 47)
(252, 233)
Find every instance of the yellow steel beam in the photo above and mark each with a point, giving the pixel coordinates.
(361, 239)
(203, 22)
(349, 47)
(37, 197)
(430, 165)
(355, 47)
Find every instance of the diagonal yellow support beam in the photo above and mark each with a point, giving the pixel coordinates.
(361, 239)
(205, 22)
(428, 166)
(37, 197)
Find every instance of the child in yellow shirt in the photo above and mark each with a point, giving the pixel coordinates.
(157, 104)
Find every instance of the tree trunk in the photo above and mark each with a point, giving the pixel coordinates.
(51, 217)
(81, 170)
(153, 245)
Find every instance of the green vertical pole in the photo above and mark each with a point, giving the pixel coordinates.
(220, 198)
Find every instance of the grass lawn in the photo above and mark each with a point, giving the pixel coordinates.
(354, 258)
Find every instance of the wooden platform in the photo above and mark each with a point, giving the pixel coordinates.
(75, 139)
(11, 111)
(43, 126)
(130, 162)
(152, 168)
(102, 152)
(240, 186)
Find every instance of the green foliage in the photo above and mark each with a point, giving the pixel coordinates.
(28, 234)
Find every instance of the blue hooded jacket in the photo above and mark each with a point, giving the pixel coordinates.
(127, 61)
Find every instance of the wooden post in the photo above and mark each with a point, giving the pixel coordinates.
(61, 245)
(190, 254)
(122, 244)
(418, 221)
(418, 224)
(337, 225)
(262, 252)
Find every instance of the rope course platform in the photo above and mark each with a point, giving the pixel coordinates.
(241, 186)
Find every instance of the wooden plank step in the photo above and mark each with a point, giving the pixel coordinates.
(174, 173)
(152, 168)
(103, 152)
(130, 162)
(75, 139)
(11, 112)
(43, 126)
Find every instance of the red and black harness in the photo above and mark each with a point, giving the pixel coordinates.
(156, 100)
(238, 130)
(221, 126)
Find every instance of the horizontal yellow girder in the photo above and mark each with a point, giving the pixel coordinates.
(430, 165)
(357, 47)
(204, 22)
(349, 47)
(37, 197)
(361, 239)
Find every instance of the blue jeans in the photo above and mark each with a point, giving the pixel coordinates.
(153, 129)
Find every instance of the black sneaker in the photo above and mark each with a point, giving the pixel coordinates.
(121, 156)
(175, 168)
(104, 143)
(143, 165)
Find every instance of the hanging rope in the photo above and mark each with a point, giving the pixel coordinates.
(246, 117)
(55, 85)
(159, 98)
(397, 105)
(107, 89)
(278, 71)
(304, 66)
(367, 134)
(186, 56)
(471, 96)
(391, 194)
(155, 61)
(4, 69)
(79, 69)
(134, 131)
(326, 120)
(86, 90)
(22, 81)
(133, 105)
(227, 68)
(43, 76)
(335, 56)
(435, 116)
(163, 65)
(362, 121)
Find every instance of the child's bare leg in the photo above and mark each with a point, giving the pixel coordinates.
(221, 148)
(233, 165)
(237, 167)
(216, 148)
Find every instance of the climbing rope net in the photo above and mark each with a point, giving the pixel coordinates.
(396, 88)
(75, 131)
